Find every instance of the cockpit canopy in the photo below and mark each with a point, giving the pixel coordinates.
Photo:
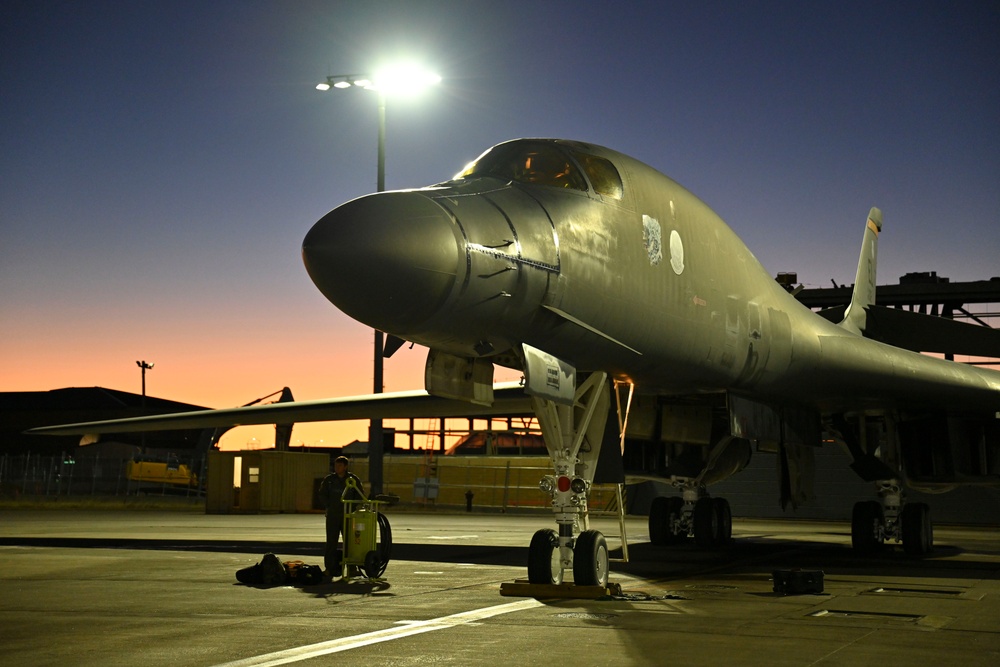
(540, 163)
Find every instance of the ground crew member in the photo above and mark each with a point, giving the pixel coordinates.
(332, 492)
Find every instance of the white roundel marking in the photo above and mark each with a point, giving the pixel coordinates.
(676, 252)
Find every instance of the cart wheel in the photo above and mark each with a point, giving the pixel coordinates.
(372, 563)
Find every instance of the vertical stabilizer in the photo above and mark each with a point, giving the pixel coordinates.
(864, 282)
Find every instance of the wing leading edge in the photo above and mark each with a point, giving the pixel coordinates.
(509, 399)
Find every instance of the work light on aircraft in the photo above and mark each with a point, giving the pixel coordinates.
(547, 484)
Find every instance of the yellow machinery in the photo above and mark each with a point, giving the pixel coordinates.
(367, 536)
(158, 472)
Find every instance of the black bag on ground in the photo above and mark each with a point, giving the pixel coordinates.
(273, 570)
(300, 574)
(798, 582)
(249, 575)
(268, 572)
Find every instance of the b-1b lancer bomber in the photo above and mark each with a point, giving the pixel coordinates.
(652, 343)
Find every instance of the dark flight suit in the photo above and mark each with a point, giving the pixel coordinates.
(331, 491)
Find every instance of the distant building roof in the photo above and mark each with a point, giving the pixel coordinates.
(87, 398)
(22, 410)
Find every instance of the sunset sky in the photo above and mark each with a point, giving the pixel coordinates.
(160, 162)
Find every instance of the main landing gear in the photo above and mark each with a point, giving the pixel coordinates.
(874, 522)
(573, 435)
(673, 519)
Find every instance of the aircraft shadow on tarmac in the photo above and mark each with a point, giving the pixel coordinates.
(645, 559)
(766, 553)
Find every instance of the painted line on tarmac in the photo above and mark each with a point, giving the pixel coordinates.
(411, 628)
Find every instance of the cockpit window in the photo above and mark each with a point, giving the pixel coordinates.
(538, 164)
(602, 174)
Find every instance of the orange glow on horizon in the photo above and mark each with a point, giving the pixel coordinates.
(216, 367)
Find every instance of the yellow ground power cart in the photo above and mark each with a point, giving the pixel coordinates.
(367, 535)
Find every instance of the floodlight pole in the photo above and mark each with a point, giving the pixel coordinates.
(381, 140)
(145, 367)
(375, 432)
(376, 445)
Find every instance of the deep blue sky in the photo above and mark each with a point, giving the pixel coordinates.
(160, 162)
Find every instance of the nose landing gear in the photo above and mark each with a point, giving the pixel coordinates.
(573, 433)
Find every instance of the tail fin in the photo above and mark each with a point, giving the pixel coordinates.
(855, 318)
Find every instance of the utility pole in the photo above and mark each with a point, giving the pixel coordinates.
(145, 367)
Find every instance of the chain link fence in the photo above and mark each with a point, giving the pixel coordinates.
(480, 482)
(33, 476)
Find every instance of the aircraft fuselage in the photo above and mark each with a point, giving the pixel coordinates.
(605, 262)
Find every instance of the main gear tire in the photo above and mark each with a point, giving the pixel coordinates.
(664, 515)
(867, 520)
(724, 516)
(706, 523)
(918, 531)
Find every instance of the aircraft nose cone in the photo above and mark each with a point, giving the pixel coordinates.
(389, 260)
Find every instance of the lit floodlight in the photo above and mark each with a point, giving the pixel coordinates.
(400, 80)
(405, 79)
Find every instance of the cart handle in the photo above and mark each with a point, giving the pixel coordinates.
(350, 484)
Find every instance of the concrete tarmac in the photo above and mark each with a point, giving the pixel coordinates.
(158, 588)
